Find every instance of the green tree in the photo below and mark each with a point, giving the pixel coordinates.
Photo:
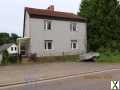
(6, 38)
(103, 23)
(14, 37)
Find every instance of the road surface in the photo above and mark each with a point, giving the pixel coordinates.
(90, 81)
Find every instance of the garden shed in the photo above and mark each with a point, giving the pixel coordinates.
(11, 48)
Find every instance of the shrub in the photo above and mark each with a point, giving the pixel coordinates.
(33, 57)
(109, 56)
(12, 59)
(5, 57)
(8, 59)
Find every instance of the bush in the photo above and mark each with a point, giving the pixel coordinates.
(12, 59)
(109, 56)
(33, 57)
(8, 59)
(5, 58)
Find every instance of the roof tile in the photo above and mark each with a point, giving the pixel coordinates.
(46, 12)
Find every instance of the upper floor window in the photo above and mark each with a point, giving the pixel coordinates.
(47, 25)
(74, 44)
(73, 27)
(48, 44)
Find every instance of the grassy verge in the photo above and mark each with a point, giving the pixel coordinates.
(66, 58)
(109, 57)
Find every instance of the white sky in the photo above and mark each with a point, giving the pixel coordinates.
(12, 11)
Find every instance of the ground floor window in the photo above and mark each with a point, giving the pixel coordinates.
(48, 44)
(74, 44)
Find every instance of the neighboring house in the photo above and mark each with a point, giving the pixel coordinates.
(48, 32)
(11, 49)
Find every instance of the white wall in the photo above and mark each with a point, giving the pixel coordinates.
(14, 51)
(60, 34)
(27, 30)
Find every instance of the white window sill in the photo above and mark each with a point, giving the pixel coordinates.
(75, 48)
(74, 31)
(49, 49)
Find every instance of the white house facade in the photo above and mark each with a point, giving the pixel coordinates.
(11, 48)
(54, 33)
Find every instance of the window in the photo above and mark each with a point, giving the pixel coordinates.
(48, 44)
(73, 27)
(74, 44)
(15, 48)
(47, 25)
(11, 48)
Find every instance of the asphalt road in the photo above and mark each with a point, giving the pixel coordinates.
(91, 81)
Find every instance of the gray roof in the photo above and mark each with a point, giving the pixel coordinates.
(5, 46)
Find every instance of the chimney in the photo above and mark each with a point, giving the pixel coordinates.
(51, 7)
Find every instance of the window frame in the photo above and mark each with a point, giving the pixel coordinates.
(47, 24)
(73, 26)
(72, 44)
(46, 46)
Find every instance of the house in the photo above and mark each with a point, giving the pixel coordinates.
(48, 32)
(11, 49)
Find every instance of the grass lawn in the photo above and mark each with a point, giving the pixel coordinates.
(109, 57)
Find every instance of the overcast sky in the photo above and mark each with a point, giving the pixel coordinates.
(12, 11)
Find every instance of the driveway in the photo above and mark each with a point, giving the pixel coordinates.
(18, 74)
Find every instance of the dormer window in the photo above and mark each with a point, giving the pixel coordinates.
(47, 25)
(15, 48)
(73, 27)
(11, 48)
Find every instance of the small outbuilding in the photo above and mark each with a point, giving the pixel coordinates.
(11, 48)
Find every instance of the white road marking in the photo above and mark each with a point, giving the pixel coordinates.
(57, 79)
